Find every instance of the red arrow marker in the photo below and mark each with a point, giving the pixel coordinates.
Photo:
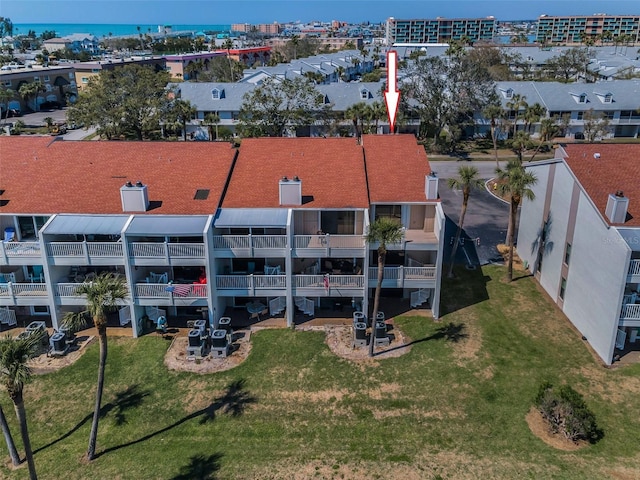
(392, 95)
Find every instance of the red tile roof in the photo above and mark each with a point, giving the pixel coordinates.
(396, 168)
(42, 176)
(617, 168)
(331, 169)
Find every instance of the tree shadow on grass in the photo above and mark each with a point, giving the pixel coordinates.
(200, 467)
(452, 332)
(124, 400)
(232, 402)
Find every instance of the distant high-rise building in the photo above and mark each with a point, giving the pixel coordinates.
(573, 30)
(439, 30)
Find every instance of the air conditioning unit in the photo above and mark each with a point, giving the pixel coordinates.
(194, 338)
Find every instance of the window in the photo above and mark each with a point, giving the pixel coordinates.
(390, 211)
(607, 98)
(217, 94)
(582, 98)
(46, 78)
(36, 79)
(580, 115)
(84, 80)
(567, 254)
(7, 83)
(508, 93)
(364, 93)
(563, 287)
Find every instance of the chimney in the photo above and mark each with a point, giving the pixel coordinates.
(134, 197)
(431, 186)
(290, 191)
(617, 205)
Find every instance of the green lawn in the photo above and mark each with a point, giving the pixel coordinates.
(454, 407)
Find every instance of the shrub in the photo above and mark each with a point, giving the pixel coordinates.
(567, 413)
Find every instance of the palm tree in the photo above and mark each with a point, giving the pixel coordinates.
(518, 102)
(183, 112)
(383, 231)
(375, 112)
(467, 180)
(15, 372)
(494, 113)
(210, 119)
(103, 295)
(6, 94)
(356, 114)
(340, 72)
(548, 129)
(514, 182)
(228, 45)
(532, 114)
(28, 90)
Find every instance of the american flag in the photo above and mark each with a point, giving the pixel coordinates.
(325, 280)
(181, 290)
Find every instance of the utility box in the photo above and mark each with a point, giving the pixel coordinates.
(359, 334)
(225, 324)
(219, 343)
(380, 333)
(58, 344)
(195, 347)
(37, 326)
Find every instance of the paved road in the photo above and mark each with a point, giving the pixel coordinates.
(485, 223)
(449, 169)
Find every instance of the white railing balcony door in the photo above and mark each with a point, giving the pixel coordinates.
(252, 284)
(329, 285)
(166, 253)
(404, 277)
(250, 245)
(630, 311)
(634, 271)
(19, 253)
(85, 252)
(23, 294)
(329, 245)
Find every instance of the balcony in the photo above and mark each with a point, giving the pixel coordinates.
(251, 285)
(164, 253)
(338, 246)
(13, 294)
(20, 253)
(329, 285)
(231, 246)
(404, 277)
(633, 276)
(178, 294)
(85, 253)
(630, 313)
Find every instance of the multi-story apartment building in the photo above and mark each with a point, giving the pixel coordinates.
(58, 83)
(201, 226)
(580, 237)
(574, 30)
(439, 30)
(84, 71)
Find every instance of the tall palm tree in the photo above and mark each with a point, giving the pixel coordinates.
(8, 438)
(375, 112)
(182, 112)
(211, 119)
(494, 113)
(29, 90)
(514, 182)
(518, 102)
(228, 45)
(6, 94)
(15, 372)
(102, 296)
(467, 180)
(548, 129)
(356, 114)
(383, 231)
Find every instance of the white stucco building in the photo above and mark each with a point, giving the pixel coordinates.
(580, 237)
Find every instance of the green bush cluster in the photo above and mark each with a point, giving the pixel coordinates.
(567, 413)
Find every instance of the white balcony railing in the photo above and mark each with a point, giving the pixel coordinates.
(630, 311)
(404, 273)
(329, 241)
(20, 249)
(634, 267)
(167, 291)
(13, 290)
(250, 282)
(166, 250)
(249, 242)
(329, 281)
(67, 289)
(84, 249)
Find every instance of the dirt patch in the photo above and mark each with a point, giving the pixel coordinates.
(176, 356)
(340, 342)
(44, 363)
(540, 428)
(504, 251)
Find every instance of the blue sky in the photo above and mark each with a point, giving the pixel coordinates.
(264, 11)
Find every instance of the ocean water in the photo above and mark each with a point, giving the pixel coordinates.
(103, 30)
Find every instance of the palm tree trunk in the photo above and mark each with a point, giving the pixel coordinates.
(495, 144)
(11, 446)
(376, 301)
(91, 452)
(18, 404)
(458, 234)
(513, 209)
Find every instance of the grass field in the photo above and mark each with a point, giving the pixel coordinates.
(453, 407)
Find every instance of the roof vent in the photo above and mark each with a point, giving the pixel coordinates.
(134, 197)
(617, 206)
(290, 191)
(596, 155)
